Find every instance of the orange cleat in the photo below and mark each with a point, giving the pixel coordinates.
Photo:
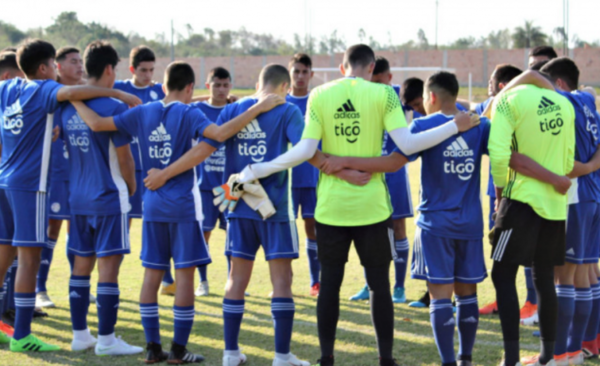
(561, 360)
(314, 290)
(491, 308)
(529, 314)
(6, 329)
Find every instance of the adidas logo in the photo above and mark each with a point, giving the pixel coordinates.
(160, 134)
(571, 251)
(470, 319)
(347, 110)
(251, 131)
(74, 295)
(450, 321)
(547, 106)
(458, 149)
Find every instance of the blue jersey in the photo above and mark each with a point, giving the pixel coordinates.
(27, 108)
(304, 175)
(165, 133)
(210, 171)
(452, 209)
(59, 159)
(96, 185)
(586, 143)
(479, 108)
(264, 139)
(147, 94)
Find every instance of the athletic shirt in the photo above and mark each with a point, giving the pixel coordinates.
(303, 175)
(59, 160)
(97, 187)
(539, 123)
(263, 139)
(585, 188)
(491, 190)
(165, 133)
(147, 94)
(210, 171)
(349, 116)
(27, 107)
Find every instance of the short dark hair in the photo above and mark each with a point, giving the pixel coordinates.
(8, 61)
(62, 52)
(300, 58)
(32, 53)
(178, 75)
(359, 55)
(219, 73)
(140, 54)
(562, 68)
(97, 56)
(543, 51)
(443, 80)
(9, 49)
(412, 88)
(504, 73)
(275, 75)
(538, 65)
(381, 65)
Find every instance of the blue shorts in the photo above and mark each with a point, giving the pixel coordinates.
(305, 198)
(211, 213)
(24, 217)
(136, 199)
(583, 233)
(400, 196)
(444, 261)
(245, 236)
(182, 241)
(58, 200)
(101, 236)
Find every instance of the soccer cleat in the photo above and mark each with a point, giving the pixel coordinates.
(118, 348)
(6, 329)
(234, 360)
(491, 308)
(179, 355)
(8, 317)
(202, 289)
(78, 345)
(168, 290)
(31, 344)
(363, 294)
(39, 313)
(590, 350)
(292, 361)
(423, 302)
(325, 361)
(4, 338)
(42, 300)
(536, 333)
(399, 297)
(464, 363)
(314, 290)
(576, 358)
(534, 361)
(155, 354)
(529, 314)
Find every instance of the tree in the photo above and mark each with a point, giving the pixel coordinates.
(500, 39)
(422, 41)
(529, 36)
(362, 35)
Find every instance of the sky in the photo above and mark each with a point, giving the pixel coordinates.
(382, 19)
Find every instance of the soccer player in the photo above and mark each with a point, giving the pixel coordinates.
(218, 82)
(305, 176)
(530, 226)
(70, 72)
(541, 53)
(26, 136)
(172, 215)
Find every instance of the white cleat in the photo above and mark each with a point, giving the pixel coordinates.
(202, 289)
(230, 358)
(118, 348)
(577, 359)
(42, 300)
(534, 319)
(292, 361)
(78, 345)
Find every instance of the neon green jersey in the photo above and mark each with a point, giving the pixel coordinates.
(539, 123)
(349, 116)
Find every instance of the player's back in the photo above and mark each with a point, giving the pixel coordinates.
(210, 171)
(303, 175)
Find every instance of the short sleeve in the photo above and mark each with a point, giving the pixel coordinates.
(197, 121)
(314, 119)
(224, 117)
(159, 91)
(128, 121)
(120, 138)
(294, 125)
(49, 91)
(394, 114)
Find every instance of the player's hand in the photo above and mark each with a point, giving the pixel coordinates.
(333, 164)
(232, 98)
(355, 177)
(55, 133)
(266, 102)
(465, 121)
(156, 178)
(129, 99)
(562, 185)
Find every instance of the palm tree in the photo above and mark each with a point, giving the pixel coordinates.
(529, 36)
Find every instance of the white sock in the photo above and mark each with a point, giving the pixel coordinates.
(106, 340)
(82, 335)
(235, 353)
(283, 356)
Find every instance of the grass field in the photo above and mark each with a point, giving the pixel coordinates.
(355, 346)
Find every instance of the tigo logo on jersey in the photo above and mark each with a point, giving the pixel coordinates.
(349, 130)
(78, 133)
(81, 141)
(164, 152)
(592, 125)
(13, 118)
(251, 131)
(459, 149)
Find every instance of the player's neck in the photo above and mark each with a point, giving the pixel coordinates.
(175, 96)
(217, 103)
(449, 109)
(270, 89)
(299, 92)
(102, 83)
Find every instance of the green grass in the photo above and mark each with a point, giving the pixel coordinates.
(355, 345)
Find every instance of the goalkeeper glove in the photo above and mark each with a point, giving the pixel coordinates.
(228, 194)
(256, 198)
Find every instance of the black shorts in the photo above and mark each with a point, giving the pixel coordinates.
(374, 243)
(523, 237)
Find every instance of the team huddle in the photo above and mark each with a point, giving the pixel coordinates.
(98, 153)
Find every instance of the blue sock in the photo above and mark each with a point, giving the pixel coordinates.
(401, 261)
(283, 310)
(565, 295)
(167, 277)
(467, 315)
(581, 317)
(79, 301)
(531, 294)
(184, 320)
(150, 322)
(233, 312)
(107, 300)
(42, 277)
(591, 332)
(313, 262)
(24, 303)
(202, 273)
(9, 298)
(442, 322)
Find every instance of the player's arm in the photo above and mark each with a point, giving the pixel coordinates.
(499, 144)
(95, 122)
(85, 92)
(224, 131)
(382, 164)
(127, 167)
(525, 165)
(351, 176)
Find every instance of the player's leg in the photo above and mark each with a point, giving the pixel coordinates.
(210, 213)
(7, 258)
(7, 254)
(581, 317)
(42, 299)
(491, 308)
(79, 301)
(401, 261)
(308, 203)
(442, 320)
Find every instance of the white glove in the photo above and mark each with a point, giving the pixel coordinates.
(256, 198)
